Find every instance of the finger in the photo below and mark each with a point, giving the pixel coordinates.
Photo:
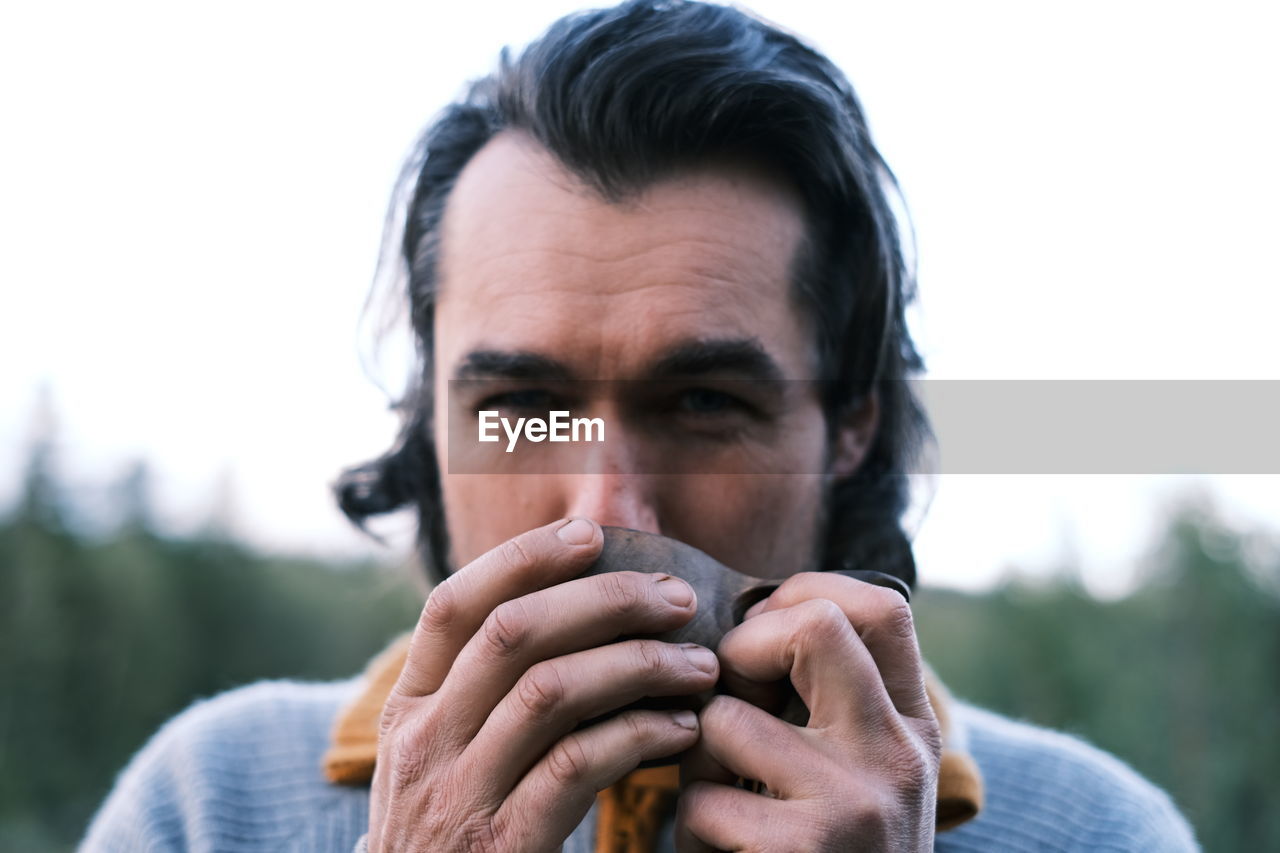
(699, 765)
(566, 618)
(882, 620)
(814, 645)
(556, 695)
(555, 795)
(457, 607)
(720, 817)
(741, 741)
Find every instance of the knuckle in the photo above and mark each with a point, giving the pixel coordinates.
(889, 603)
(650, 657)
(724, 713)
(871, 816)
(567, 762)
(933, 743)
(893, 622)
(898, 619)
(931, 737)
(516, 555)
(392, 713)
(409, 762)
(911, 767)
(914, 780)
(540, 691)
(479, 836)
(518, 552)
(910, 760)
(621, 592)
(503, 826)
(506, 629)
(641, 732)
(637, 731)
(824, 620)
(441, 608)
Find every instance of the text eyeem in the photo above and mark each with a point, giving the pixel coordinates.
(559, 427)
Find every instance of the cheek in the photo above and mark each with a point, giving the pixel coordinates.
(764, 526)
(768, 526)
(485, 510)
(799, 514)
(480, 510)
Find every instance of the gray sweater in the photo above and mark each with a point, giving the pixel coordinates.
(241, 771)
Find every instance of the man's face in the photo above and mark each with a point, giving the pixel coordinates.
(689, 283)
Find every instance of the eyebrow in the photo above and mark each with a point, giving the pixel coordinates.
(503, 364)
(745, 357)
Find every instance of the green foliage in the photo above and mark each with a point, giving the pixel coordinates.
(101, 640)
(1179, 678)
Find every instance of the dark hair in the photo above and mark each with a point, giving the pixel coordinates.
(623, 96)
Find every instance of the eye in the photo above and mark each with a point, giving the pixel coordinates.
(707, 401)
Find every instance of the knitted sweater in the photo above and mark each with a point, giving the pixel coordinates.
(242, 771)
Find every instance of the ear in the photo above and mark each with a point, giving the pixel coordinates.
(854, 435)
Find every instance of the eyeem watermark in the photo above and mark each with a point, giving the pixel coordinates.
(695, 426)
(560, 427)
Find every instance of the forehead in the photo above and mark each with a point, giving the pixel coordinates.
(534, 260)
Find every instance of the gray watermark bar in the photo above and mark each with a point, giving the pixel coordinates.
(1105, 426)
(777, 427)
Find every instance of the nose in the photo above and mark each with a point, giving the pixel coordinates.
(612, 488)
(617, 498)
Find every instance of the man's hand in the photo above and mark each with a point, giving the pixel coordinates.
(862, 775)
(478, 748)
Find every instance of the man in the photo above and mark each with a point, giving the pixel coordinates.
(683, 198)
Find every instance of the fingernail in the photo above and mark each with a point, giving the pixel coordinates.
(754, 610)
(675, 591)
(685, 719)
(702, 658)
(577, 531)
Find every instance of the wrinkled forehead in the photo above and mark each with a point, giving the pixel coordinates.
(534, 259)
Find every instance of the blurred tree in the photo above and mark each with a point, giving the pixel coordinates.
(101, 640)
(1179, 678)
(40, 504)
(132, 499)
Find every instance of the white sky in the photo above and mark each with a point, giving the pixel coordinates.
(191, 202)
